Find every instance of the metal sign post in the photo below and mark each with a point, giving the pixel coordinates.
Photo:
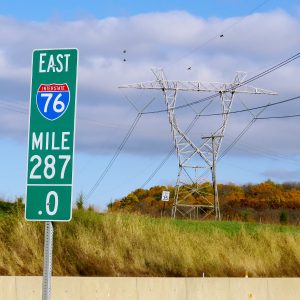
(48, 247)
(165, 196)
(51, 144)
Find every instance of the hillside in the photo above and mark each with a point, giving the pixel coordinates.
(114, 244)
(266, 202)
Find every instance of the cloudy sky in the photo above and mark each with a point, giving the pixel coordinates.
(190, 40)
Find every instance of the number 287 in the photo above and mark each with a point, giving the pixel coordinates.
(49, 166)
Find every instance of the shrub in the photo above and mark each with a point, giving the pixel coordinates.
(283, 217)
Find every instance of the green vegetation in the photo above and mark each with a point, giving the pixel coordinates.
(283, 218)
(7, 208)
(80, 201)
(115, 244)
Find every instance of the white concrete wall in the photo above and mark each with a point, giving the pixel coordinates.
(132, 288)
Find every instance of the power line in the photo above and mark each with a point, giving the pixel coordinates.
(273, 68)
(254, 108)
(234, 142)
(172, 150)
(240, 135)
(278, 117)
(20, 109)
(184, 105)
(268, 154)
(119, 149)
(115, 156)
(255, 77)
(243, 132)
(8, 106)
(162, 163)
(218, 35)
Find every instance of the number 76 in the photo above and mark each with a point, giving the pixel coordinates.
(58, 106)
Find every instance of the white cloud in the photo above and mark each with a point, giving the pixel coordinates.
(174, 40)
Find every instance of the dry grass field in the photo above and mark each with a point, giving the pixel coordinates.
(94, 244)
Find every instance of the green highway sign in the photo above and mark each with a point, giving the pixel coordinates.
(51, 135)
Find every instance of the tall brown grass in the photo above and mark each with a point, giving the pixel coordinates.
(130, 245)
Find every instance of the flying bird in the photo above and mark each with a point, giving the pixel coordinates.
(124, 59)
(124, 51)
(189, 68)
(221, 35)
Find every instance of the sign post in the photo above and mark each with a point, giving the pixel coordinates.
(51, 144)
(165, 196)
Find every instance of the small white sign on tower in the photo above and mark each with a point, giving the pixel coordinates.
(165, 196)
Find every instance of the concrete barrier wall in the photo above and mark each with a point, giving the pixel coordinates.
(132, 288)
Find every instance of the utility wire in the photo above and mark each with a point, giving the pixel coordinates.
(268, 154)
(20, 109)
(218, 35)
(278, 117)
(253, 108)
(115, 156)
(172, 150)
(184, 105)
(255, 77)
(240, 135)
(234, 142)
(15, 108)
(273, 68)
(217, 94)
(162, 163)
(269, 70)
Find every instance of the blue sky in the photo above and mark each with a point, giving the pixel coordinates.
(72, 10)
(172, 34)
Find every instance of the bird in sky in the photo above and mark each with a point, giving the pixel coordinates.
(124, 51)
(222, 35)
(189, 68)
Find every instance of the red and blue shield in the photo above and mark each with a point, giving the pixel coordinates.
(53, 100)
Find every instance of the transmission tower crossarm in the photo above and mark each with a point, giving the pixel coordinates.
(248, 89)
(197, 86)
(150, 85)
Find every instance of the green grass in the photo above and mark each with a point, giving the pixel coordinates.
(94, 244)
(231, 227)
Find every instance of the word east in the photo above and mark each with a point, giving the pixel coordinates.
(49, 63)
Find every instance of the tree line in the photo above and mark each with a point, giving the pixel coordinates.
(267, 201)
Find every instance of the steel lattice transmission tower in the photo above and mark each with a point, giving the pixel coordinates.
(191, 156)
